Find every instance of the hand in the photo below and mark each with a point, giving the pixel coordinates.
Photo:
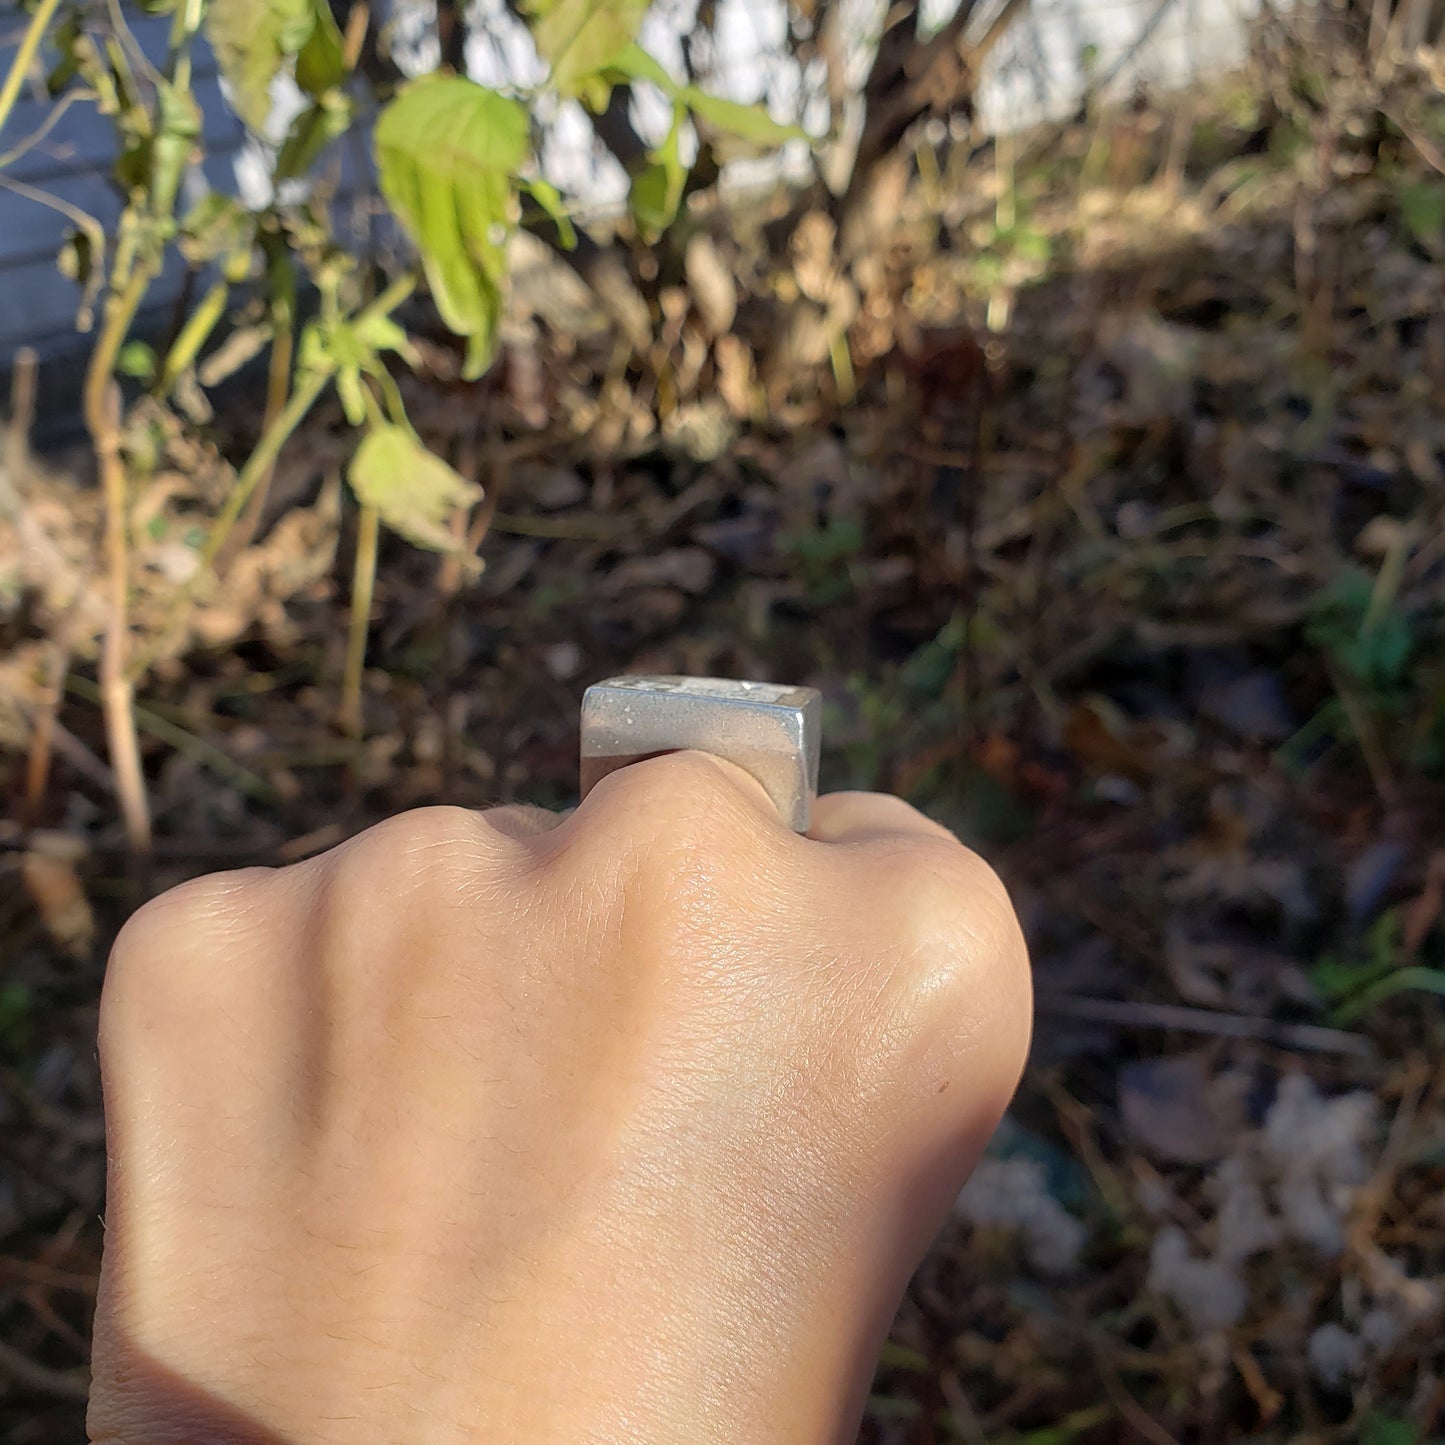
(488, 1127)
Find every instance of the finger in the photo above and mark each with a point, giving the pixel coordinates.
(746, 784)
(684, 768)
(681, 790)
(860, 817)
(520, 821)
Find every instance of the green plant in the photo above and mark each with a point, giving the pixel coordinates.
(1384, 671)
(823, 556)
(1379, 1428)
(1353, 983)
(456, 162)
(17, 1004)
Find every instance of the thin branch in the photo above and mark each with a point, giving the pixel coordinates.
(52, 117)
(63, 1384)
(82, 220)
(452, 35)
(1428, 151)
(308, 389)
(615, 130)
(1126, 1013)
(101, 407)
(25, 56)
(362, 586)
(207, 754)
(1140, 41)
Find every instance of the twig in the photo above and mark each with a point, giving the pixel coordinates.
(515, 525)
(260, 462)
(1130, 1410)
(1145, 34)
(1308, 1038)
(1428, 153)
(308, 390)
(22, 410)
(102, 420)
(172, 734)
(65, 1384)
(63, 740)
(83, 221)
(362, 585)
(357, 20)
(52, 119)
(43, 726)
(1366, 735)
(25, 56)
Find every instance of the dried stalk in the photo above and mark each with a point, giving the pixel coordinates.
(101, 407)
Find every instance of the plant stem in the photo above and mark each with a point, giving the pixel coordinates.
(102, 419)
(193, 334)
(25, 56)
(278, 382)
(185, 23)
(310, 386)
(362, 585)
(260, 462)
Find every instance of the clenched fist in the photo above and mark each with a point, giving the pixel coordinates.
(491, 1127)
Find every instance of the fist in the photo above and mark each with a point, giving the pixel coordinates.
(493, 1126)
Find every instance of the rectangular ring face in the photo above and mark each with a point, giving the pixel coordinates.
(772, 731)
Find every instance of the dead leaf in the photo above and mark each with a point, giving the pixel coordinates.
(59, 897)
(414, 490)
(714, 290)
(1178, 1110)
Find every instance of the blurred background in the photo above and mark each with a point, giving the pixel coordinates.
(1055, 384)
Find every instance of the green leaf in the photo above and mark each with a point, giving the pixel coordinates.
(321, 61)
(136, 359)
(447, 151)
(550, 199)
(1422, 980)
(1381, 1429)
(632, 62)
(311, 132)
(173, 146)
(217, 226)
(1374, 651)
(579, 38)
(1422, 208)
(657, 188)
(595, 91)
(414, 491)
(253, 39)
(381, 333)
(750, 123)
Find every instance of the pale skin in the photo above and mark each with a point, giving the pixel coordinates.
(485, 1127)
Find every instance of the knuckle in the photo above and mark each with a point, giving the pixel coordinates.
(953, 917)
(183, 915)
(411, 854)
(683, 798)
(962, 985)
(168, 948)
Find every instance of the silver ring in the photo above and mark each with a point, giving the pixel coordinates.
(774, 732)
